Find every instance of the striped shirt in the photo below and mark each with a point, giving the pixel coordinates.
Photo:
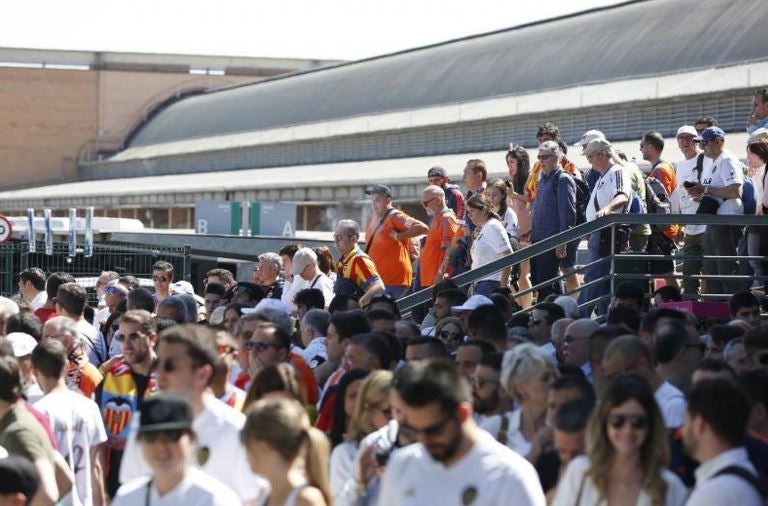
(610, 184)
(358, 267)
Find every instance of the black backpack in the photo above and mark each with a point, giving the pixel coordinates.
(745, 475)
(582, 198)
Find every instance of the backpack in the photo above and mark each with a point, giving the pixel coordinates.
(582, 198)
(753, 481)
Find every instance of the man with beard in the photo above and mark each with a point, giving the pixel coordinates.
(488, 397)
(126, 384)
(453, 461)
(443, 227)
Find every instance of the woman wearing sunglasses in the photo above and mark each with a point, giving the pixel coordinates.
(490, 243)
(627, 453)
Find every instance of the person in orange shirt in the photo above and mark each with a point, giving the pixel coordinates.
(444, 226)
(81, 375)
(662, 240)
(388, 241)
(549, 132)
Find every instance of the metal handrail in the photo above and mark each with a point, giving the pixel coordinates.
(407, 303)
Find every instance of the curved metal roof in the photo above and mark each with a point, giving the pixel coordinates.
(638, 38)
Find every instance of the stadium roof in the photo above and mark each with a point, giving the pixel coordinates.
(630, 40)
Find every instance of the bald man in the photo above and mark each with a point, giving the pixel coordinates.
(443, 227)
(576, 344)
(630, 354)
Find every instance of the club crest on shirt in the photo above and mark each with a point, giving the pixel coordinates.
(203, 454)
(468, 495)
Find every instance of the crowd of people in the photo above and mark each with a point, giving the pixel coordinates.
(305, 385)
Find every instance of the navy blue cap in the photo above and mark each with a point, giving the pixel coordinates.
(165, 411)
(379, 189)
(710, 133)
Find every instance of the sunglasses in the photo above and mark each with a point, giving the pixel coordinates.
(167, 366)
(129, 337)
(162, 279)
(637, 422)
(259, 346)
(449, 336)
(172, 436)
(430, 431)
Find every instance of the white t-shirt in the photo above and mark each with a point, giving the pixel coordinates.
(217, 430)
(490, 474)
(290, 289)
(610, 184)
(568, 488)
(686, 171)
(342, 467)
(324, 284)
(78, 427)
(726, 488)
(196, 489)
(515, 439)
(671, 402)
(513, 227)
(315, 353)
(491, 242)
(727, 170)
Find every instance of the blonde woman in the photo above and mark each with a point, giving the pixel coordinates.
(372, 411)
(283, 448)
(627, 453)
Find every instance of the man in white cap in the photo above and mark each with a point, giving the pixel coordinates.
(592, 176)
(305, 266)
(470, 305)
(23, 344)
(693, 168)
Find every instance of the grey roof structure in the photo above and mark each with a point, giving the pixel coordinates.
(634, 39)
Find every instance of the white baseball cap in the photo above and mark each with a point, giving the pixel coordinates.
(22, 343)
(275, 304)
(301, 259)
(473, 303)
(589, 136)
(687, 130)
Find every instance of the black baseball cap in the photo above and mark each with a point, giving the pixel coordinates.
(379, 189)
(165, 412)
(18, 475)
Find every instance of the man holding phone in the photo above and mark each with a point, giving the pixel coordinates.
(691, 170)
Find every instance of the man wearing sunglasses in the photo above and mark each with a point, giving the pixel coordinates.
(443, 227)
(454, 462)
(186, 360)
(162, 277)
(127, 383)
(167, 442)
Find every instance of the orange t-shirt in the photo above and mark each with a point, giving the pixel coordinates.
(390, 256)
(533, 178)
(86, 378)
(666, 174)
(442, 230)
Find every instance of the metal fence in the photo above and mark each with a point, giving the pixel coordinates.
(613, 276)
(125, 259)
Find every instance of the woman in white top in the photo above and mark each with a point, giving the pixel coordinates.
(490, 243)
(496, 192)
(372, 411)
(627, 453)
(288, 452)
(518, 198)
(757, 237)
(526, 372)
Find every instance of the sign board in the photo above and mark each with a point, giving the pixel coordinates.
(5, 229)
(273, 218)
(261, 218)
(217, 217)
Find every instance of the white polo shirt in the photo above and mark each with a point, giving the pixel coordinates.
(218, 451)
(489, 474)
(610, 184)
(671, 402)
(196, 489)
(727, 488)
(727, 170)
(686, 171)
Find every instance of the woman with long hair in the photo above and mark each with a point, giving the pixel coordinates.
(490, 243)
(519, 168)
(757, 236)
(496, 192)
(275, 381)
(451, 331)
(372, 411)
(627, 453)
(344, 404)
(286, 450)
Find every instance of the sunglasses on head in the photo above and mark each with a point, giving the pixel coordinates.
(637, 422)
(172, 436)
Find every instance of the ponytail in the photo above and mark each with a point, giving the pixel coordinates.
(317, 451)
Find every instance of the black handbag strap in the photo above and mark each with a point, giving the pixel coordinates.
(746, 476)
(369, 240)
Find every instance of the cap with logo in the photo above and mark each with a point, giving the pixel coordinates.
(710, 133)
(165, 411)
(379, 189)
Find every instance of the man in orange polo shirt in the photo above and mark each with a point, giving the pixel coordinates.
(442, 230)
(388, 240)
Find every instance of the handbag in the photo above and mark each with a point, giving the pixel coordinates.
(708, 205)
(620, 239)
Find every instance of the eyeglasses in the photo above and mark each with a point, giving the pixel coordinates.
(637, 422)
(431, 431)
(425, 203)
(339, 237)
(130, 337)
(259, 346)
(167, 365)
(161, 279)
(172, 436)
(544, 157)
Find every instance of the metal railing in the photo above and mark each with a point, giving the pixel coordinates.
(611, 221)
